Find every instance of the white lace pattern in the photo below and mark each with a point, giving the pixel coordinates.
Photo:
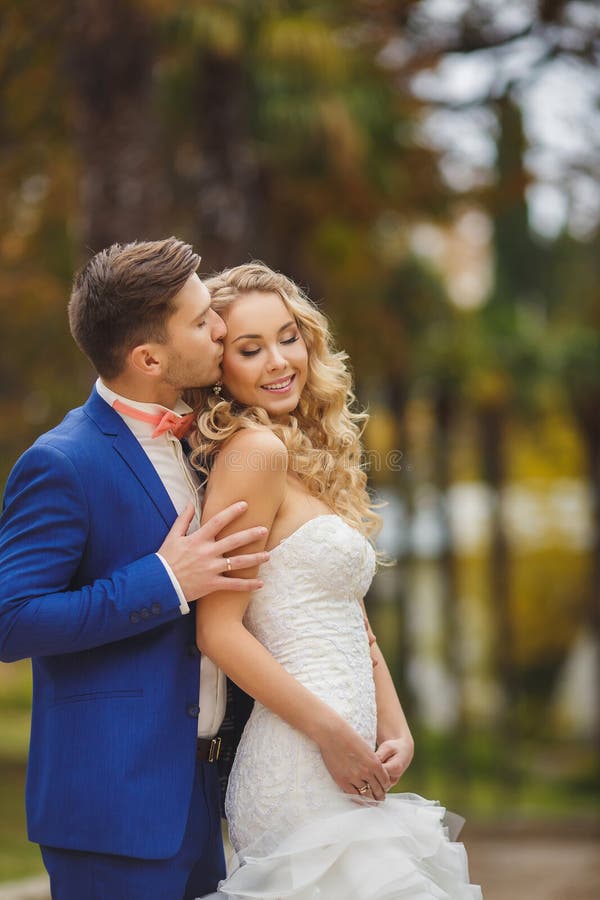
(296, 833)
(309, 618)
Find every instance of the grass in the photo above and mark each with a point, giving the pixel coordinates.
(18, 857)
(14, 740)
(539, 782)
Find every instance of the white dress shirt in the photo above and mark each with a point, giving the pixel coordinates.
(181, 483)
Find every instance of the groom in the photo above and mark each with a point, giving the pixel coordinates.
(101, 556)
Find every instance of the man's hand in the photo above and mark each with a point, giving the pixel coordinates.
(199, 561)
(351, 762)
(396, 756)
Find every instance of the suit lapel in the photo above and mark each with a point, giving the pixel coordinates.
(129, 449)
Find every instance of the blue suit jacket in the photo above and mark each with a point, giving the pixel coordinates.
(115, 664)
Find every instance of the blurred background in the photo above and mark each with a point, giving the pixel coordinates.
(429, 172)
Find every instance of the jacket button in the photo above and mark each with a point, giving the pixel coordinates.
(145, 612)
(156, 609)
(193, 711)
(193, 650)
(134, 618)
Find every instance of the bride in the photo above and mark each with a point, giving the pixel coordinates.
(307, 803)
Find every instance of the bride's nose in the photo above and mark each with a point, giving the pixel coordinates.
(276, 360)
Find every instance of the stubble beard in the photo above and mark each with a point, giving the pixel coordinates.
(182, 376)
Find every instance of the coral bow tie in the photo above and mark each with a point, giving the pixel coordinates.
(168, 421)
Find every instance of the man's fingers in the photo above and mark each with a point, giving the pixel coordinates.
(182, 522)
(247, 561)
(240, 539)
(218, 522)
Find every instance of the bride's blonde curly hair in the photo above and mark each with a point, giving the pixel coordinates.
(322, 435)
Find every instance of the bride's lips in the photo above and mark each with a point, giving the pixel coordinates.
(281, 386)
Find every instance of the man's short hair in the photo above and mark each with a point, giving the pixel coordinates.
(123, 297)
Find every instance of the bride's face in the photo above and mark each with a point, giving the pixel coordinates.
(265, 359)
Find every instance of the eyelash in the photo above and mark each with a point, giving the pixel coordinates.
(291, 340)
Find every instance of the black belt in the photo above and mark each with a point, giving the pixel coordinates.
(208, 749)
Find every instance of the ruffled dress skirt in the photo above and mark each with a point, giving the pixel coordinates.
(402, 847)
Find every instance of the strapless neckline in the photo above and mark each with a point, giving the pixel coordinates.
(336, 551)
(303, 527)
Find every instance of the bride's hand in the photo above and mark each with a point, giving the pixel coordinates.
(396, 755)
(351, 762)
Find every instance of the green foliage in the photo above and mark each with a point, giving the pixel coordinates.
(18, 858)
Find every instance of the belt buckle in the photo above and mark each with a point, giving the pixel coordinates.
(214, 750)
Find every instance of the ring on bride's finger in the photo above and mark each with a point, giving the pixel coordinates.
(363, 790)
(228, 561)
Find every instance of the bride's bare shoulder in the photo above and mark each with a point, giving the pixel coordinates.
(253, 449)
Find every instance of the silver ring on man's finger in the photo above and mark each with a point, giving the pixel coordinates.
(228, 561)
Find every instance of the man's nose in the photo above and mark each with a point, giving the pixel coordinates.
(219, 328)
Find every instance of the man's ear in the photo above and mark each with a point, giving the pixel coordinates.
(147, 359)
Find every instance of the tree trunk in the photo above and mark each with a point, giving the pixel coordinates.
(586, 411)
(231, 197)
(109, 57)
(444, 408)
(397, 392)
(492, 424)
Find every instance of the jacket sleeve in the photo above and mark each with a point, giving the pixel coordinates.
(43, 533)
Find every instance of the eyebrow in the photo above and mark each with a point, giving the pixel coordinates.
(258, 336)
(201, 315)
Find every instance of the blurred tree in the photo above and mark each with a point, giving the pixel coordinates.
(574, 355)
(285, 137)
(110, 52)
(509, 362)
(38, 363)
(496, 389)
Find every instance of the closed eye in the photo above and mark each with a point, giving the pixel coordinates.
(290, 340)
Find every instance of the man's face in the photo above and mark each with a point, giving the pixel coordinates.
(194, 335)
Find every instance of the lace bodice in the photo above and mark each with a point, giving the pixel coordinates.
(308, 616)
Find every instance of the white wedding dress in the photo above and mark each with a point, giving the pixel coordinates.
(296, 834)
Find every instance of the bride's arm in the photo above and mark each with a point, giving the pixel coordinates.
(395, 744)
(252, 467)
